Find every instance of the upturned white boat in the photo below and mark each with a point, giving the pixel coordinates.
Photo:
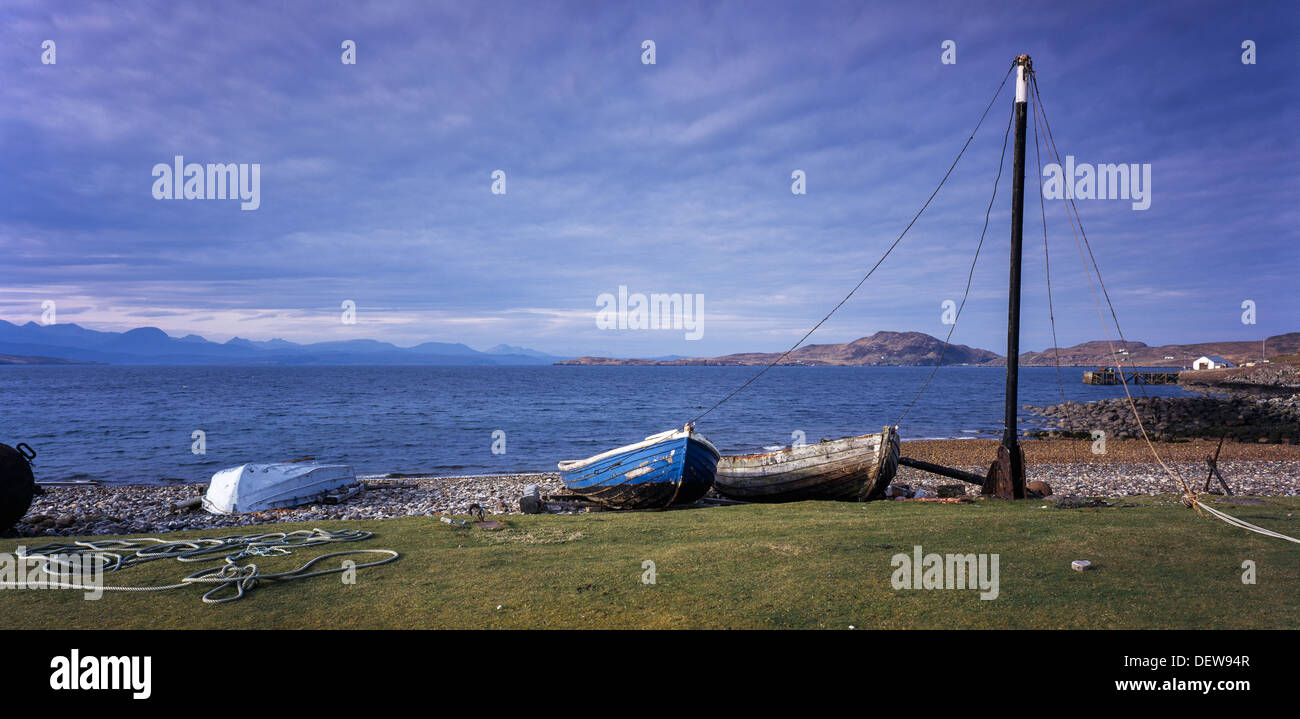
(259, 487)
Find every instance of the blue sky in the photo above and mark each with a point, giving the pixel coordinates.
(671, 177)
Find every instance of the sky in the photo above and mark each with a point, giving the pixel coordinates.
(376, 178)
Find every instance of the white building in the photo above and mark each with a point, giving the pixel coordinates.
(1211, 362)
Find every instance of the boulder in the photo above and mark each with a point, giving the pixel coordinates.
(531, 501)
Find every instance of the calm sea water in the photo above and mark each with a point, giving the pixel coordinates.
(135, 424)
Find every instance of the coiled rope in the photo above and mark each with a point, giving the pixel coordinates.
(58, 567)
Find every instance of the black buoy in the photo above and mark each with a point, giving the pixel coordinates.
(17, 484)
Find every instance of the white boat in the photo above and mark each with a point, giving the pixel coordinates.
(259, 487)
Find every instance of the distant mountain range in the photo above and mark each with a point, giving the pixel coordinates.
(33, 343)
(917, 348)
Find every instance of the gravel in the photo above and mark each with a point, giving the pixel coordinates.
(1121, 479)
(146, 509)
(1070, 466)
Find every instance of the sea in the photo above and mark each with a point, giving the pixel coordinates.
(158, 425)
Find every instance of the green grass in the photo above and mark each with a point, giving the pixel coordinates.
(806, 565)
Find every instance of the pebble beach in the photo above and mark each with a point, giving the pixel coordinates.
(1071, 467)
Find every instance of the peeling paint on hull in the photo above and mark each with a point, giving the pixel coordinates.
(675, 470)
(853, 469)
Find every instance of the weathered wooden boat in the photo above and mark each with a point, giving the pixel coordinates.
(853, 469)
(670, 468)
(276, 485)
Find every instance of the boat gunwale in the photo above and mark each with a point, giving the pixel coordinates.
(757, 455)
(571, 465)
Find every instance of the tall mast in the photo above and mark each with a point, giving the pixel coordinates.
(1006, 477)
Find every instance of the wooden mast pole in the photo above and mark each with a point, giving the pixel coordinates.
(1006, 478)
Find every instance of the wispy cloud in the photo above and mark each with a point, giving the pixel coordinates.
(673, 177)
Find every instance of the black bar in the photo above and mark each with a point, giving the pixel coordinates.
(1094, 663)
(941, 470)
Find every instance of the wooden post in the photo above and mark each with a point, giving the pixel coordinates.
(1006, 478)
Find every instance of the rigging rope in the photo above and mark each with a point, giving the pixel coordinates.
(899, 239)
(1191, 497)
(111, 555)
(1047, 260)
(970, 275)
(1074, 219)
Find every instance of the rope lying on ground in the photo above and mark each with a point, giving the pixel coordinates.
(1190, 496)
(1242, 524)
(112, 555)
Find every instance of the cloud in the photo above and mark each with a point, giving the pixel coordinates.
(673, 177)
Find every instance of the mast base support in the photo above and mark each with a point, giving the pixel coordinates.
(1006, 477)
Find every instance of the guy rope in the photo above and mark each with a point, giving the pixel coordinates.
(1007, 474)
(879, 262)
(1191, 498)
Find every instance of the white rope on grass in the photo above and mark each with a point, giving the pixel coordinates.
(1190, 495)
(230, 550)
(1242, 524)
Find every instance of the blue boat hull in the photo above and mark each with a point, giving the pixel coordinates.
(675, 471)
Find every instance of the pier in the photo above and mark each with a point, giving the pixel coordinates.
(1109, 375)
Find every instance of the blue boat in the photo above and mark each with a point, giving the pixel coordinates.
(670, 468)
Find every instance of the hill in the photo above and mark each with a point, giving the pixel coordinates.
(880, 349)
(1090, 354)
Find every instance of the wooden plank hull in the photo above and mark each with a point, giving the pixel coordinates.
(667, 469)
(853, 469)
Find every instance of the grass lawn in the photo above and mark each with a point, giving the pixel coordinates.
(797, 566)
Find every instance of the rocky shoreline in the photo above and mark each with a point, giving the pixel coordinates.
(72, 511)
(1258, 381)
(68, 511)
(1244, 418)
